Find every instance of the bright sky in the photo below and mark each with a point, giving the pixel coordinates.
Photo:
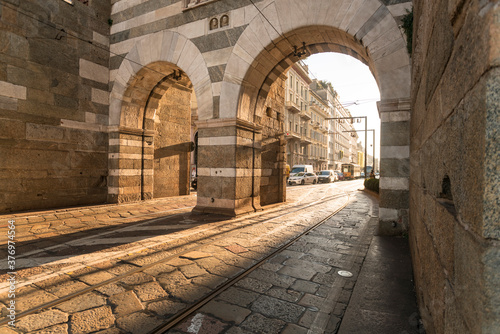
(354, 82)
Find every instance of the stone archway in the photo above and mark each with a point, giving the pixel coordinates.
(157, 65)
(365, 30)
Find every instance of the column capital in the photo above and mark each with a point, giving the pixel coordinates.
(391, 105)
(229, 122)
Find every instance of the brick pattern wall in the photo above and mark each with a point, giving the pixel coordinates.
(53, 103)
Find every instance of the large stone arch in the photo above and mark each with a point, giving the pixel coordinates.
(366, 30)
(156, 63)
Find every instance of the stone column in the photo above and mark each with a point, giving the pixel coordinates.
(229, 166)
(130, 165)
(394, 165)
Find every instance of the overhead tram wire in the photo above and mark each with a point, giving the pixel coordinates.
(54, 26)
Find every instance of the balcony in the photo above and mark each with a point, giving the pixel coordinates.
(305, 115)
(292, 107)
(291, 135)
(315, 125)
(306, 140)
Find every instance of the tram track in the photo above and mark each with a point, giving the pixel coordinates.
(201, 243)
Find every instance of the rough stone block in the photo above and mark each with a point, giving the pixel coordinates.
(92, 320)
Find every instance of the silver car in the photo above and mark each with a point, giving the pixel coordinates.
(303, 178)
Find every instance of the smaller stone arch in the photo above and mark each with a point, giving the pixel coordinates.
(154, 64)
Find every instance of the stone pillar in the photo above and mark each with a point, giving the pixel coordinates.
(130, 165)
(229, 166)
(394, 166)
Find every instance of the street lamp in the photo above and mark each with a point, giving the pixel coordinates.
(366, 158)
(366, 130)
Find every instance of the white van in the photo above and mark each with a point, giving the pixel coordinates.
(301, 168)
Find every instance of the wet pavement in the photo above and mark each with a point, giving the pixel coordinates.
(131, 268)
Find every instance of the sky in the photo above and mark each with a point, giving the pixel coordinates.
(353, 81)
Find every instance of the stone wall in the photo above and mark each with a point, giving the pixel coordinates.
(273, 150)
(172, 143)
(454, 177)
(54, 60)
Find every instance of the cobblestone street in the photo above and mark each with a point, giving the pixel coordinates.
(131, 268)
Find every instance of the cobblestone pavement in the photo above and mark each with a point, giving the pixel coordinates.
(148, 261)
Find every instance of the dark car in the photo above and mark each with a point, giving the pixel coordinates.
(340, 175)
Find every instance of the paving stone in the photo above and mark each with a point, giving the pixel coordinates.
(92, 320)
(254, 284)
(111, 289)
(301, 273)
(195, 255)
(238, 296)
(257, 323)
(284, 294)
(111, 331)
(192, 270)
(294, 329)
(273, 278)
(126, 303)
(305, 286)
(7, 330)
(67, 288)
(173, 279)
(308, 265)
(138, 323)
(33, 299)
(57, 329)
(312, 300)
(326, 279)
(160, 269)
(276, 308)
(119, 269)
(96, 278)
(271, 266)
(226, 312)
(188, 293)
(308, 318)
(279, 258)
(236, 249)
(209, 280)
(238, 330)
(166, 307)
(83, 302)
(41, 320)
(218, 267)
(137, 278)
(178, 262)
(150, 291)
(202, 324)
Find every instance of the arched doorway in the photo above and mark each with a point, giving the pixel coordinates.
(150, 113)
(269, 45)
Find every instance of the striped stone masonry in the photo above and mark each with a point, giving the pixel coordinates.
(229, 166)
(394, 166)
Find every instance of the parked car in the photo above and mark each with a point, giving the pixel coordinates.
(326, 176)
(303, 178)
(340, 175)
(301, 168)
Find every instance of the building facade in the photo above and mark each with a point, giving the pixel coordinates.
(313, 135)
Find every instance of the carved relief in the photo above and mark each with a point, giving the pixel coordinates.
(224, 21)
(219, 22)
(214, 23)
